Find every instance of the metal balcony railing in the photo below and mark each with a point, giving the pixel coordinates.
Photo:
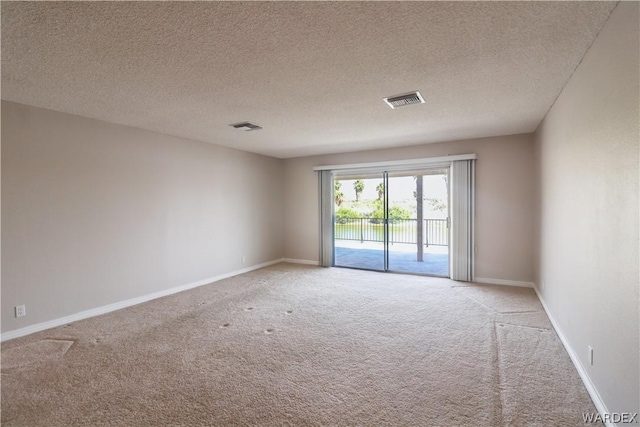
(364, 229)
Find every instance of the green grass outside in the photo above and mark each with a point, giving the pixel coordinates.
(399, 232)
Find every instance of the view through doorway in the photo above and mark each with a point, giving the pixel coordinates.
(395, 221)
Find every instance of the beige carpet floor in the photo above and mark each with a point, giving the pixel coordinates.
(298, 345)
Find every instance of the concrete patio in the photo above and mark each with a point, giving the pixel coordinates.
(402, 258)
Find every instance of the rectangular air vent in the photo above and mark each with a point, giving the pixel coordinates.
(246, 126)
(404, 100)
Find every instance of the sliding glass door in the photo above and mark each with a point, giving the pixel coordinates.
(359, 226)
(418, 218)
(392, 221)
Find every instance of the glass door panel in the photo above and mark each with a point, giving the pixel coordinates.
(359, 221)
(418, 222)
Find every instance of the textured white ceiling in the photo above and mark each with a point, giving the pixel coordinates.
(312, 74)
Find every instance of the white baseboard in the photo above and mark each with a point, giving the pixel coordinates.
(300, 261)
(591, 388)
(126, 303)
(503, 282)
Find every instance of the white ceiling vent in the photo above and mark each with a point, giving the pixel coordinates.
(246, 126)
(404, 99)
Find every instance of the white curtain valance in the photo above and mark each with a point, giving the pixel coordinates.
(399, 164)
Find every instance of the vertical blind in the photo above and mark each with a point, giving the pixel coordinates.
(462, 200)
(326, 218)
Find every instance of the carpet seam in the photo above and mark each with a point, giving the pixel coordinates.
(498, 375)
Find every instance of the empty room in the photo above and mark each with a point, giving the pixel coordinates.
(320, 213)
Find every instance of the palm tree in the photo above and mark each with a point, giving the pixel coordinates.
(358, 185)
(380, 190)
(337, 194)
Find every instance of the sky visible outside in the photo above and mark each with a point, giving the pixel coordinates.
(401, 192)
(400, 188)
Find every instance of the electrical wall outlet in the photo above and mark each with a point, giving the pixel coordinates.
(590, 355)
(21, 310)
(243, 259)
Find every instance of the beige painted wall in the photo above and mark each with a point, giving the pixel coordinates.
(505, 205)
(588, 263)
(95, 213)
